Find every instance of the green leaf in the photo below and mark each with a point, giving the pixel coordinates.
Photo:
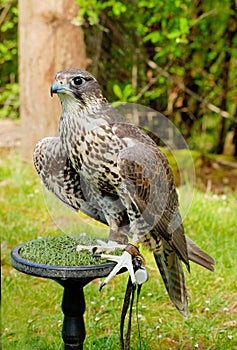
(184, 27)
(127, 91)
(154, 37)
(117, 91)
(118, 8)
(175, 34)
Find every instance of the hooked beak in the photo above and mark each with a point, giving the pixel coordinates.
(56, 87)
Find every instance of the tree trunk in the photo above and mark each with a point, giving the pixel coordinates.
(48, 42)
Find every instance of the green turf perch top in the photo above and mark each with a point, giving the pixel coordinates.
(58, 251)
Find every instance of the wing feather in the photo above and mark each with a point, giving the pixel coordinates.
(60, 178)
(149, 184)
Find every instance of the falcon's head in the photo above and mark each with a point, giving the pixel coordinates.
(77, 84)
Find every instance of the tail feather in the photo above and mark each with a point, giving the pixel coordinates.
(197, 255)
(171, 270)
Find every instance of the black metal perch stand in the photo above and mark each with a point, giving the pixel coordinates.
(73, 279)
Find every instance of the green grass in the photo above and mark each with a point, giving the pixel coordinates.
(31, 306)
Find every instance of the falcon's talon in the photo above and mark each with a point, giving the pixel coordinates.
(96, 255)
(101, 247)
(80, 247)
(101, 286)
(109, 246)
(73, 248)
(94, 249)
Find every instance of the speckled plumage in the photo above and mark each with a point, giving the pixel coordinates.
(112, 171)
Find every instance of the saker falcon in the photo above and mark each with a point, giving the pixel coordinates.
(111, 170)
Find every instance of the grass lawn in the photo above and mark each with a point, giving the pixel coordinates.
(31, 307)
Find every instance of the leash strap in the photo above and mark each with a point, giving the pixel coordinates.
(141, 277)
(128, 300)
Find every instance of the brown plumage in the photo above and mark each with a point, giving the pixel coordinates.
(109, 169)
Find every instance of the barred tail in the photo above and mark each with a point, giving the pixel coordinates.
(171, 270)
(197, 255)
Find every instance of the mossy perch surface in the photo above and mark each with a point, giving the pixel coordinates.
(57, 251)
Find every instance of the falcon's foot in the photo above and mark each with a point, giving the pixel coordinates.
(102, 246)
(132, 260)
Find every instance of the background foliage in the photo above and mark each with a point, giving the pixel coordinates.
(9, 90)
(179, 57)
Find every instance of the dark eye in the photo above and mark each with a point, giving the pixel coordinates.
(77, 81)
